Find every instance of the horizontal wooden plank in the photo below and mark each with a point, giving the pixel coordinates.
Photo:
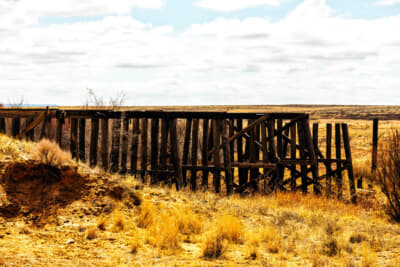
(250, 165)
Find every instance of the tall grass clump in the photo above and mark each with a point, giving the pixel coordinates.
(48, 152)
(388, 173)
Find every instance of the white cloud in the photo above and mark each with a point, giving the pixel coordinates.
(234, 5)
(68, 8)
(387, 2)
(310, 56)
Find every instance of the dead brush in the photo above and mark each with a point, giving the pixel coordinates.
(214, 246)
(49, 153)
(388, 175)
(164, 234)
(230, 228)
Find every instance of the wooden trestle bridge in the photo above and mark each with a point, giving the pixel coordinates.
(239, 151)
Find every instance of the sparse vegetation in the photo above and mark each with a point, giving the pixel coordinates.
(389, 173)
(48, 152)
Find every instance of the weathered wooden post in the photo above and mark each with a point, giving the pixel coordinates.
(2, 125)
(204, 153)
(74, 138)
(143, 148)
(227, 160)
(134, 144)
(94, 136)
(124, 145)
(374, 149)
(175, 155)
(195, 133)
(328, 158)
(349, 162)
(115, 145)
(104, 143)
(216, 136)
(338, 161)
(185, 156)
(82, 142)
(154, 148)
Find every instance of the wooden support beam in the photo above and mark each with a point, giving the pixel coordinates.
(124, 144)
(185, 156)
(175, 155)
(204, 153)
(216, 136)
(32, 125)
(227, 159)
(59, 126)
(293, 184)
(338, 158)
(313, 156)
(15, 127)
(164, 145)
(242, 132)
(94, 141)
(134, 144)
(104, 143)
(195, 135)
(328, 157)
(254, 165)
(155, 122)
(74, 138)
(143, 146)
(82, 141)
(300, 132)
(2, 125)
(115, 145)
(349, 162)
(243, 173)
(374, 144)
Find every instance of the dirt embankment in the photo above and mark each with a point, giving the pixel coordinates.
(41, 192)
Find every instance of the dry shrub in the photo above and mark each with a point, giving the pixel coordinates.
(101, 224)
(230, 228)
(188, 222)
(91, 233)
(118, 222)
(48, 152)
(164, 234)
(388, 173)
(272, 238)
(214, 246)
(357, 238)
(146, 215)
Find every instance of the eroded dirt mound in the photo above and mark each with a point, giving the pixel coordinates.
(41, 191)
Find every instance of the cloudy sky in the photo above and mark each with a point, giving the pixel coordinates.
(190, 52)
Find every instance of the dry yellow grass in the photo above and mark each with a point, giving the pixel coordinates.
(195, 229)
